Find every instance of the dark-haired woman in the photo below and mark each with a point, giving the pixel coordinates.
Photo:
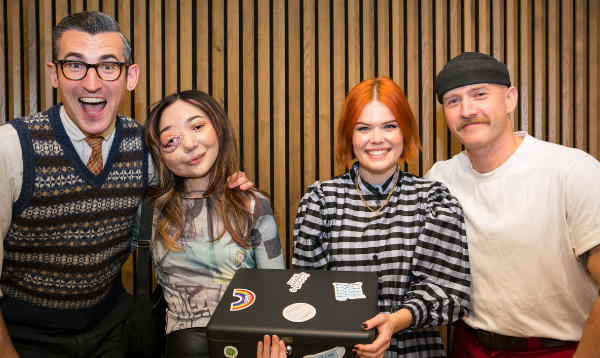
(204, 231)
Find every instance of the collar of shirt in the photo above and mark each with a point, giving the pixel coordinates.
(75, 134)
(380, 190)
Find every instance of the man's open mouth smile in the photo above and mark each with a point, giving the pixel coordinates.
(92, 105)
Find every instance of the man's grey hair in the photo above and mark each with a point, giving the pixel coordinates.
(91, 22)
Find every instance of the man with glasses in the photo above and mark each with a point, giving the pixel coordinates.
(66, 220)
(71, 181)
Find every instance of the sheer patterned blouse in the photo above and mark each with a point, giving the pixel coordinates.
(195, 278)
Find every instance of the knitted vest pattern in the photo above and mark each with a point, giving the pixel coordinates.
(70, 231)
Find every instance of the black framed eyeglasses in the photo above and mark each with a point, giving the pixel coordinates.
(77, 70)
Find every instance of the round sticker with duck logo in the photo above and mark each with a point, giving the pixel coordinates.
(230, 352)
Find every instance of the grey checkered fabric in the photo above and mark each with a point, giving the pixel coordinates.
(417, 247)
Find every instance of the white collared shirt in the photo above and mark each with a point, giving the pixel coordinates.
(78, 138)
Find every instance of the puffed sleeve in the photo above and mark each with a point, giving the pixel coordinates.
(311, 231)
(440, 292)
(264, 237)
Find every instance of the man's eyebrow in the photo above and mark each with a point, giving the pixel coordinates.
(477, 88)
(109, 57)
(74, 54)
(449, 94)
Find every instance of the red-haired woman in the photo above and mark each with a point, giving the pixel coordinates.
(376, 217)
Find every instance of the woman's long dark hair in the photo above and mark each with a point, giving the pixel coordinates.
(232, 205)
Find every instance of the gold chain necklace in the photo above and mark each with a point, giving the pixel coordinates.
(377, 212)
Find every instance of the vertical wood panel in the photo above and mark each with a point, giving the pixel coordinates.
(76, 6)
(170, 50)
(324, 91)
(296, 188)
(155, 60)
(309, 92)
(539, 64)
(567, 74)
(484, 30)
(383, 39)
(469, 25)
(427, 99)
(30, 57)
(91, 5)
(512, 53)
(125, 25)
(581, 74)
(185, 45)
(398, 44)
(455, 50)
(139, 55)
(279, 139)
(353, 45)
(339, 70)
(14, 60)
(526, 71)
(441, 55)
(498, 29)
(553, 72)
(264, 98)
(62, 10)
(412, 66)
(202, 45)
(218, 51)
(233, 66)
(108, 7)
(368, 44)
(249, 159)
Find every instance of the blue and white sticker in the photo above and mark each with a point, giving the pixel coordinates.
(344, 291)
(336, 352)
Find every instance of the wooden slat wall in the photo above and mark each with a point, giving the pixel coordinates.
(282, 68)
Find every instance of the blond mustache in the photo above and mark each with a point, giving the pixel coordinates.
(465, 123)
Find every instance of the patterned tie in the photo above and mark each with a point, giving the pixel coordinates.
(94, 164)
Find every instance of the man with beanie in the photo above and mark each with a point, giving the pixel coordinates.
(530, 210)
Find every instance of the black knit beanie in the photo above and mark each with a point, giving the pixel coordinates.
(470, 68)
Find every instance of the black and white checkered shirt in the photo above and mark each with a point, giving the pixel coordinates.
(417, 247)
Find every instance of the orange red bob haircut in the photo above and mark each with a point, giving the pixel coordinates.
(387, 92)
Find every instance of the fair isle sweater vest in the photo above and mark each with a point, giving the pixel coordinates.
(70, 230)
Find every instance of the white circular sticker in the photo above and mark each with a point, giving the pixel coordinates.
(299, 312)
